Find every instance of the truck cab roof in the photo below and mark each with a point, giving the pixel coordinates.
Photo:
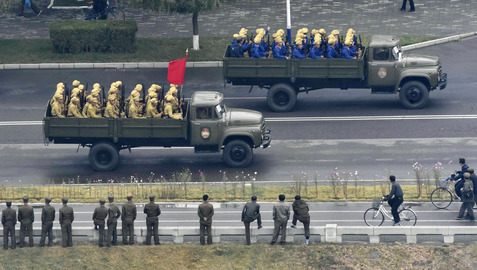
(206, 99)
(383, 41)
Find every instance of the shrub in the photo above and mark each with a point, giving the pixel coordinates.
(73, 36)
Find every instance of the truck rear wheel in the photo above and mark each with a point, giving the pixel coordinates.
(281, 97)
(103, 156)
(238, 154)
(414, 95)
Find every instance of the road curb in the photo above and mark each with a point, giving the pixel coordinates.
(198, 64)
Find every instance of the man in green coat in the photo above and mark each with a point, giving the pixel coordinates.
(301, 213)
(113, 215)
(205, 213)
(129, 214)
(9, 219)
(250, 213)
(152, 211)
(66, 217)
(99, 215)
(47, 218)
(26, 218)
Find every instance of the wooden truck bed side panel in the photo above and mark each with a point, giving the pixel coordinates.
(152, 128)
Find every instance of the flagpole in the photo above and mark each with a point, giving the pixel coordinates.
(288, 23)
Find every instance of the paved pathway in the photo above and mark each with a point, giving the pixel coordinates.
(432, 18)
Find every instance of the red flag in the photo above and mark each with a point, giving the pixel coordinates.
(176, 71)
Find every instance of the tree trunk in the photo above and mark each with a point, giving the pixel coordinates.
(195, 31)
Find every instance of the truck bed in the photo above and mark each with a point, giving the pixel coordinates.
(121, 131)
(266, 71)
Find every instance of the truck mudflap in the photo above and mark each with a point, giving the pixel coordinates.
(267, 139)
(442, 83)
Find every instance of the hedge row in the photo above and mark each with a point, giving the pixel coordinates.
(73, 36)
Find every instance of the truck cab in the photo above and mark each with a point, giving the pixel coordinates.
(389, 70)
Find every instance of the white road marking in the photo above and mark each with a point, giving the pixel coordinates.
(312, 119)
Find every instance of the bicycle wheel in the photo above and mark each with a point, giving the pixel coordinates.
(373, 217)
(115, 13)
(441, 198)
(80, 14)
(408, 217)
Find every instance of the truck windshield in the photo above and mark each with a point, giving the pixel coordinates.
(397, 53)
(220, 109)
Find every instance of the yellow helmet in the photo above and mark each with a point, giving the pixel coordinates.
(75, 99)
(154, 101)
(81, 87)
(304, 30)
(335, 32)
(236, 35)
(314, 32)
(275, 35)
(278, 40)
(300, 35)
(348, 41)
(257, 39)
(136, 99)
(112, 97)
(96, 85)
(351, 31)
(138, 87)
(114, 84)
(62, 85)
(299, 41)
(75, 83)
(169, 98)
(119, 83)
(58, 96)
(322, 31)
(331, 39)
(244, 30)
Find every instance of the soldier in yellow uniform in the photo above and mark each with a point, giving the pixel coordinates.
(136, 92)
(73, 110)
(135, 109)
(112, 110)
(75, 83)
(93, 111)
(58, 108)
(151, 110)
(168, 109)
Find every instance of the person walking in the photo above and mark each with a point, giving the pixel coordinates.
(301, 213)
(459, 177)
(250, 213)
(152, 211)
(395, 199)
(473, 179)
(205, 213)
(129, 214)
(99, 216)
(113, 214)
(47, 218)
(9, 219)
(467, 199)
(29, 4)
(26, 218)
(66, 217)
(411, 4)
(281, 215)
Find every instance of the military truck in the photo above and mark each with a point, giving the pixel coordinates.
(382, 67)
(208, 125)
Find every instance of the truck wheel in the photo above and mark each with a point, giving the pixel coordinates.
(281, 97)
(414, 95)
(103, 157)
(238, 154)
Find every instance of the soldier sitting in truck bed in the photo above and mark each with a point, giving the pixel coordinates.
(73, 110)
(58, 108)
(168, 109)
(151, 110)
(135, 109)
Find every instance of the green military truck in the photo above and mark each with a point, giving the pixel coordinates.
(208, 125)
(383, 68)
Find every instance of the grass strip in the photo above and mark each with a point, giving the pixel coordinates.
(232, 256)
(229, 192)
(16, 51)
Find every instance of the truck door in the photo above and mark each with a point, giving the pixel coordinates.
(381, 68)
(204, 129)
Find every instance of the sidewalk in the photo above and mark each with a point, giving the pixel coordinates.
(432, 18)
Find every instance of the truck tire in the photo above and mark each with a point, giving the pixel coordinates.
(414, 95)
(281, 97)
(103, 156)
(237, 154)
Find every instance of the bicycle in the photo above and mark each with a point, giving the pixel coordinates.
(112, 12)
(374, 216)
(445, 194)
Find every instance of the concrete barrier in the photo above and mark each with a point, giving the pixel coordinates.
(326, 234)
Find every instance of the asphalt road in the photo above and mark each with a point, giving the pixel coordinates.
(343, 214)
(318, 135)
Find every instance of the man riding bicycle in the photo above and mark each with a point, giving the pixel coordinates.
(459, 177)
(99, 9)
(395, 201)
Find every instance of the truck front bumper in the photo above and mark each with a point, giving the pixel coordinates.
(266, 139)
(442, 83)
